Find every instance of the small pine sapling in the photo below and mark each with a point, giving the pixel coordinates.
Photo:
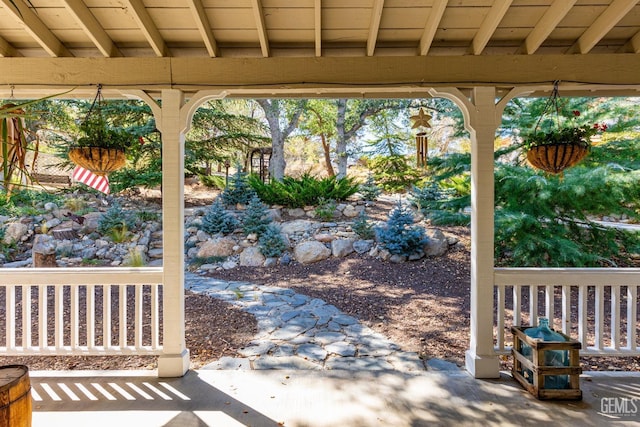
(271, 243)
(369, 190)
(218, 220)
(238, 191)
(115, 219)
(398, 235)
(256, 217)
(362, 227)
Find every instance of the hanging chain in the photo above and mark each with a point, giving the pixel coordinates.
(552, 102)
(96, 101)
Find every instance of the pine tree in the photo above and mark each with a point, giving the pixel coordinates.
(271, 243)
(238, 190)
(218, 220)
(362, 227)
(398, 235)
(256, 218)
(369, 190)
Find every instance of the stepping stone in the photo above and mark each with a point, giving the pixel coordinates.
(342, 349)
(441, 365)
(257, 348)
(329, 337)
(344, 320)
(312, 352)
(287, 362)
(358, 363)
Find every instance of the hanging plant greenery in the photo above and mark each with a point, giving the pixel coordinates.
(101, 148)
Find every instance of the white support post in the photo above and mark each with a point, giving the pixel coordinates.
(481, 359)
(174, 362)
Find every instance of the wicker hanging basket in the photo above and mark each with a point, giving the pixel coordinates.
(99, 160)
(555, 158)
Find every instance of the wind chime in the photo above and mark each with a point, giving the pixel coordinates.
(421, 120)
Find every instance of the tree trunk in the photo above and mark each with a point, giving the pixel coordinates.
(341, 139)
(327, 155)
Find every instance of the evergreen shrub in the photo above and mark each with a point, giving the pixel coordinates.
(271, 243)
(218, 220)
(398, 235)
(256, 217)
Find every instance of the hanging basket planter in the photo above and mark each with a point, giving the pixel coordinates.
(555, 158)
(558, 143)
(99, 160)
(101, 148)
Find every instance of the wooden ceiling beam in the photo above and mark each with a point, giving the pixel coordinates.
(148, 27)
(6, 50)
(489, 25)
(202, 22)
(549, 21)
(317, 26)
(374, 26)
(280, 73)
(22, 13)
(632, 46)
(92, 28)
(435, 16)
(602, 25)
(260, 26)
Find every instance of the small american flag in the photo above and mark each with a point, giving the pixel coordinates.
(100, 183)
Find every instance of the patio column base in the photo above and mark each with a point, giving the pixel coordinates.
(482, 366)
(174, 365)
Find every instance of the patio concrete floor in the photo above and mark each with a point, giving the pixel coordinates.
(320, 398)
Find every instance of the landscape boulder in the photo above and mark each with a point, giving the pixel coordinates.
(437, 243)
(310, 252)
(219, 247)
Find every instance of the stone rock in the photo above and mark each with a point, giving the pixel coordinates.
(324, 237)
(395, 258)
(251, 257)
(350, 211)
(271, 262)
(274, 214)
(437, 243)
(14, 232)
(220, 247)
(91, 221)
(342, 247)
(285, 259)
(229, 265)
(310, 252)
(44, 251)
(296, 226)
(296, 213)
(362, 246)
(50, 206)
(202, 236)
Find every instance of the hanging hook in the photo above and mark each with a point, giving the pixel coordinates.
(12, 87)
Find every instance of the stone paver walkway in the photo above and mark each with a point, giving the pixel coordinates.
(299, 332)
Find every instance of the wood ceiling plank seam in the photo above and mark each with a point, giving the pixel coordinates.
(204, 27)
(435, 16)
(92, 28)
(374, 26)
(260, 26)
(602, 25)
(545, 26)
(36, 28)
(317, 26)
(632, 45)
(148, 27)
(489, 25)
(7, 50)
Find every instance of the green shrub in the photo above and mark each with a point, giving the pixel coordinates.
(393, 173)
(398, 235)
(219, 220)
(304, 191)
(115, 221)
(256, 217)
(213, 181)
(271, 243)
(362, 227)
(326, 209)
(147, 216)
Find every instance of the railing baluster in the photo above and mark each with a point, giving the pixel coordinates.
(43, 323)
(583, 293)
(138, 316)
(59, 316)
(632, 316)
(155, 316)
(91, 317)
(549, 303)
(73, 317)
(533, 305)
(517, 305)
(566, 309)
(615, 317)
(500, 318)
(122, 317)
(11, 317)
(106, 316)
(599, 321)
(26, 317)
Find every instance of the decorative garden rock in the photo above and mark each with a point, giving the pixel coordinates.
(311, 251)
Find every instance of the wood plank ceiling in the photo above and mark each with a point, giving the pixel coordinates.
(308, 28)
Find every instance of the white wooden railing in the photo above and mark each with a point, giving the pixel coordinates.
(577, 302)
(54, 311)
